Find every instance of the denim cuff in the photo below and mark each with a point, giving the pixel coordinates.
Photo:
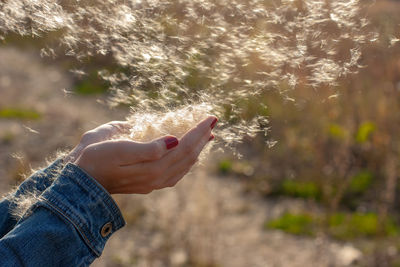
(42, 179)
(84, 203)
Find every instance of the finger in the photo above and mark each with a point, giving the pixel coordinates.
(120, 127)
(130, 152)
(143, 191)
(129, 189)
(107, 130)
(121, 124)
(182, 166)
(187, 145)
(147, 188)
(190, 140)
(175, 179)
(172, 182)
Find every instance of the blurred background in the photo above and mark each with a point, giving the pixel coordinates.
(327, 193)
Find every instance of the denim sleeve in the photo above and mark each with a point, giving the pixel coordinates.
(31, 187)
(68, 226)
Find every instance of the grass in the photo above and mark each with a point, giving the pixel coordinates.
(301, 189)
(225, 166)
(235, 167)
(297, 224)
(341, 226)
(364, 132)
(19, 113)
(336, 131)
(91, 85)
(361, 182)
(355, 225)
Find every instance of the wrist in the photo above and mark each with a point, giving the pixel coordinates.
(86, 165)
(75, 153)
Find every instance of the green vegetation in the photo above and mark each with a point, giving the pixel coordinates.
(92, 84)
(361, 182)
(236, 167)
(19, 113)
(298, 224)
(302, 189)
(337, 131)
(349, 226)
(225, 166)
(342, 226)
(364, 132)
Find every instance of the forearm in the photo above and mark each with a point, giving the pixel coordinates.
(68, 226)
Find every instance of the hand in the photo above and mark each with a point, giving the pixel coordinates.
(99, 134)
(126, 167)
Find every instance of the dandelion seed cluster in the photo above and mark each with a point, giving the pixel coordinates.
(186, 58)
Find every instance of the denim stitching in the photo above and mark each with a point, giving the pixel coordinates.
(72, 222)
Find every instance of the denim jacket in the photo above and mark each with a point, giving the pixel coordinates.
(68, 225)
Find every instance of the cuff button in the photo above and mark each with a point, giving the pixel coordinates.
(106, 229)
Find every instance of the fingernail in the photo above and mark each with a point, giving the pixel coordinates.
(213, 123)
(171, 142)
(211, 137)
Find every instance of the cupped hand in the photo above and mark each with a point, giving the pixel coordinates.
(101, 133)
(126, 167)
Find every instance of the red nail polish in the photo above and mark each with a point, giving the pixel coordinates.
(171, 142)
(213, 123)
(211, 137)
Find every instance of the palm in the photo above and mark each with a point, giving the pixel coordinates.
(102, 133)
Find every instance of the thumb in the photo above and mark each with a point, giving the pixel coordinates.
(133, 152)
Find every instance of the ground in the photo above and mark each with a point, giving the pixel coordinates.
(207, 220)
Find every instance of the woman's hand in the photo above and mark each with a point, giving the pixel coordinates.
(99, 134)
(126, 167)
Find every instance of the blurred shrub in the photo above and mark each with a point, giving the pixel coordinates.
(334, 145)
(91, 84)
(302, 189)
(19, 113)
(364, 132)
(225, 166)
(356, 225)
(298, 224)
(342, 226)
(337, 131)
(361, 182)
(237, 167)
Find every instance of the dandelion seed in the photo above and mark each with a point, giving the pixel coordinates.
(202, 54)
(30, 129)
(393, 41)
(333, 96)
